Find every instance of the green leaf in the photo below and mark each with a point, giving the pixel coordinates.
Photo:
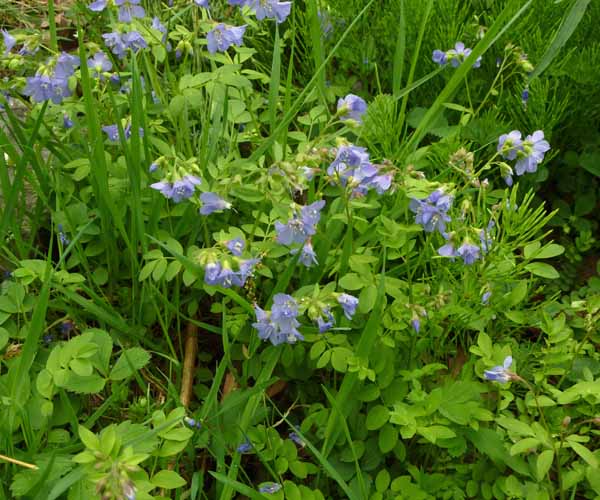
(549, 251)
(353, 281)
(167, 479)
(524, 445)
(92, 384)
(530, 250)
(543, 464)
(543, 270)
(435, 432)
(584, 453)
(131, 360)
(515, 426)
(388, 437)
(377, 417)
(569, 23)
(88, 438)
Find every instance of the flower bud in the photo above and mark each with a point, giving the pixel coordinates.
(566, 421)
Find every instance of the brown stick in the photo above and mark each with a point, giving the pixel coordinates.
(189, 364)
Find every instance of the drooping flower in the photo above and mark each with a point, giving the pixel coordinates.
(189, 421)
(468, 252)
(431, 213)
(245, 447)
(416, 323)
(129, 9)
(447, 250)
(269, 488)
(67, 122)
(9, 41)
(485, 298)
(297, 439)
(235, 246)
(525, 96)
(112, 131)
(202, 3)
(223, 36)
(326, 323)
(179, 190)
(348, 303)
(99, 64)
(351, 107)
(272, 9)
(501, 373)
(212, 202)
(119, 43)
(308, 257)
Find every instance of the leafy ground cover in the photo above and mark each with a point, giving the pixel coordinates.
(238, 263)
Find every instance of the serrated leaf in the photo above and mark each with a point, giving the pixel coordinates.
(130, 360)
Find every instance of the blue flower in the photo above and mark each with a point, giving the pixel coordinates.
(98, 5)
(128, 9)
(348, 303)
(272, 9)
(179, 190)
(65, 66)
(510, 144)
(245, 447)
(297, 439)
(308, 257)
(189, 421)
(416, 323)
(532, 154)
(439, 57)
(299, 228)
(468, 252)
(351, 107)
(201, 3)
(501, 373)
(44, 88)
(62, 236)
(222, 36)
(235, 246)
(346, 159)
(67, 122)
(485, 298)
(447, 250)
(99, 64)
(119, 43)
(269, 488)
(212, 202)
(323, 324)
(153, 167)
(455, 56)
(525, 96)
(280, 325)
(112, 131)
(431, 213)
(9, 41)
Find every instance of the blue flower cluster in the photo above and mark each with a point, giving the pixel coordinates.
(179, 190)
(112, 131)
(528, 152)
(53, 87)
(280, 324)
(301, 226)
(272, 9)
(222, 274)
(432, 212)
(455, 56)
(223, 36)
(128, 9)
(118, 43)
(352, 167)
